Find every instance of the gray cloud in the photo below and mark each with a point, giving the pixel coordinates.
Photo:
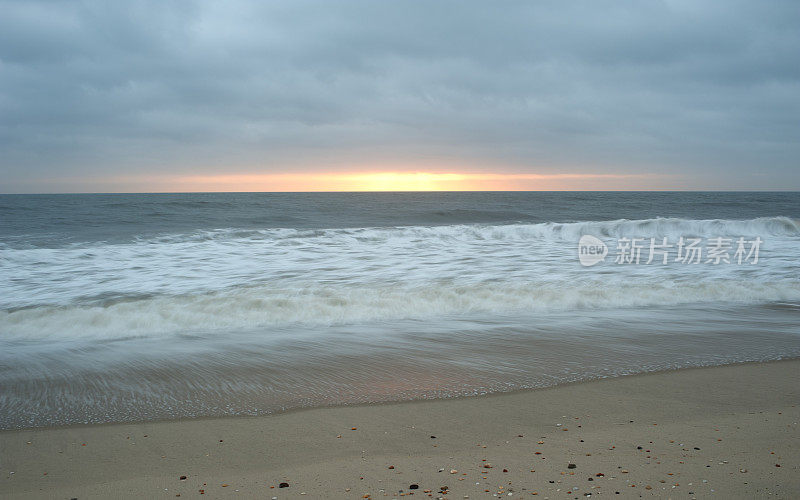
(706, 91)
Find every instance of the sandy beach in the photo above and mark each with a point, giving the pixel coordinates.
(729, 432)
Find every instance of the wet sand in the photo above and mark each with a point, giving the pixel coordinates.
(725, 432)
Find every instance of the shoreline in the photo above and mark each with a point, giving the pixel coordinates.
(390, 402)
(669, 411)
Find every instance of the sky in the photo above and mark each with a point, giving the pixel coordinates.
(149, 96)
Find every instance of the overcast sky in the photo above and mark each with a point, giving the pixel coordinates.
(125, 95)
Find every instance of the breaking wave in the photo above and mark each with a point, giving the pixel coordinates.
(259, 307)
(239, 279)
(571, 231)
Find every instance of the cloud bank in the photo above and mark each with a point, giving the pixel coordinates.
(705, 92)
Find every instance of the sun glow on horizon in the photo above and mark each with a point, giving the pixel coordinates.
(368, 181)
(398, 181)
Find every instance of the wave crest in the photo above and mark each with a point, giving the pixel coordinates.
(571, 231)
(263, 307)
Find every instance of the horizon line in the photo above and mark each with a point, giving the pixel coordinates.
(415, 191)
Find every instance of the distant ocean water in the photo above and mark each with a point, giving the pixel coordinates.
(157, 306)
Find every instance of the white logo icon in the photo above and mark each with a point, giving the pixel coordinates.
(591, 250)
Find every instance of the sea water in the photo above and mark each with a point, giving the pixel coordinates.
(131, 307)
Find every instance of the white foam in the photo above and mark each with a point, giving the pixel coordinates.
(235, 278)
(265, 307)
(764, 226)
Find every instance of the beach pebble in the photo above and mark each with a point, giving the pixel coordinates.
(283, 485)
(571, 466)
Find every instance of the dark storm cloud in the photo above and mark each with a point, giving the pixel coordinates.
(703, 90)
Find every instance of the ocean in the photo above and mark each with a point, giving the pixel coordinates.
(136, 307)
